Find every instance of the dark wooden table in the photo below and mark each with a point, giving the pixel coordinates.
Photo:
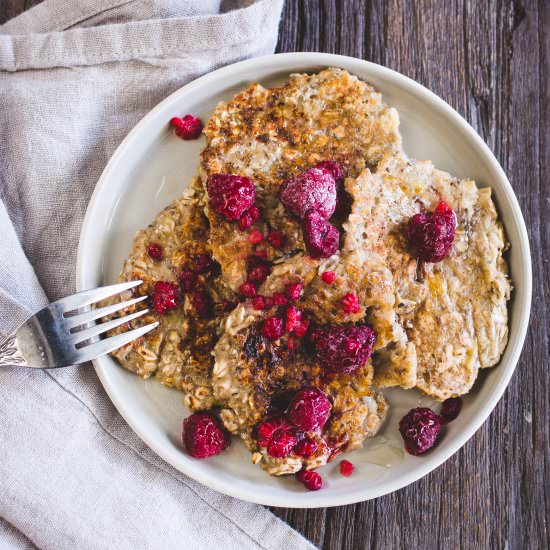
(491, 61)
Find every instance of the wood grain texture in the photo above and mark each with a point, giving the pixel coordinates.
(489, 59)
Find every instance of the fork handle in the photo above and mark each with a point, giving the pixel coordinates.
(11, 354)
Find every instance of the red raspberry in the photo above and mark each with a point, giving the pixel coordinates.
(332, 352)
(268, 301)
(165, 297)
(350, 303)
(247, 290)
(306, 447)
(188, 127)
(281, 444)
(328, 277)
(419, 429)
(301, 328)
(279, 299)
(268, 428)
(293, 290)
(450, 409)
(321, 238)
(275, 239)
(255, 236)
(309, 409)
(155, 251)
(310, 479)
(431, 235)
(188, 280)
(346, 468)
(230, 196)
(261, 253)
(258, 302)
(249, 218)
(334, 168)
(273, 328)
(293, 316)
(313, 190)
(290, 344)
(202, 303)
(204, 263)
(203, 435)
(259, 273)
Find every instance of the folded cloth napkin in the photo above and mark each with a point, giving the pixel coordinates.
(74, 78)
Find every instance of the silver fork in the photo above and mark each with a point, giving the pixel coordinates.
(52, 338)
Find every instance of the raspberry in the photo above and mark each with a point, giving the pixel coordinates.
(268, 301)
(301, 328)
(350, 303)
(346, 468)
(431, 235)
(258, 302)
(268, 428)
(188, 280)
(202, 303)
(155, 251)
(165, 297)
(230, 196)
(310, 479)
(255, 236)
(293, 316)
(306, 447)
(313, 190)
(259, 273)
(281, 444)
(328, 277)
(321, 238)
(343, 202)
(188, 127)
(290, 344)
(261, 253)
(335, 169)
(279, 299)
(275, 239)
(309, 409)
(419, 429)
(293, 290)
(332, 351)
(204, 263)
(273, 328)
(247, 290)
(249, 218)
(450, 409)
(203, 435)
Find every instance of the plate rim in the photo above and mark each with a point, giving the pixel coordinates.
(300, 500)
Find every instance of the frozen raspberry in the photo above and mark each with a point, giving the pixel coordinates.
(334, 168)
(293, 290)
(450, 409)
(293, 316)
(268, 428)
(310, 191)
(268, 301)
(343, 202)
(202, 303)
(155, 251)
(247, 290)
(249, 218)
(350, 303)
(230, 196)
(203, 435)
(309, 409)
(419, 429)
(310, 479)
(279, 299)
(301, 327)
(259, 273)
(281, 444)
(165, 297)
(328, 277)
(275, 239)
(273, 328)
(322, 239)
(255, 236)
(188, 280)
(258, 302)
(204, 263)
(431, 235)
(346, 468)
(332, 351)
(306, 447)
(188, 127)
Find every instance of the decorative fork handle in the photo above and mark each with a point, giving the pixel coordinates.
(11, 354)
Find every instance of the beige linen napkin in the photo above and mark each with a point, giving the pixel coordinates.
(75, 76)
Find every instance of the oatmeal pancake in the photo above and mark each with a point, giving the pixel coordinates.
(454, 312)
(272, 134)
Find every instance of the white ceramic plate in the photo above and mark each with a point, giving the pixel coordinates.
(151, 167)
